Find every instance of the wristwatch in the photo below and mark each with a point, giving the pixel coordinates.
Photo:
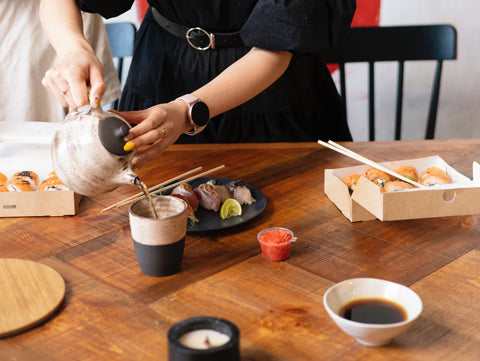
(198, 114)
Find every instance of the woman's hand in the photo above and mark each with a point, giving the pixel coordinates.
(158, 128)
(78, 68)
(69, 81)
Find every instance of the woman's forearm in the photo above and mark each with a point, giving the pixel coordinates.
(244, 79)
(62, 22)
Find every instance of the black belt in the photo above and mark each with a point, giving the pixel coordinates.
(198, 38)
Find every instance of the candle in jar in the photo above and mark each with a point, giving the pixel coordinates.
(203, 339)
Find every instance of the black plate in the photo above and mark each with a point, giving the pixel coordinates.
(210, 220)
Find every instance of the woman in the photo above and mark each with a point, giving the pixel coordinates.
(23, 63)
(260, 74)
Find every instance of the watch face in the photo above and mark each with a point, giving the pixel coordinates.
(200, 114)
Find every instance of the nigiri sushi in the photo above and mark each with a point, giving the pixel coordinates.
(240, 192)
(190, 212)
(4, 188)
(221, 188)
(29, 176)
(185, 190)
(208, 197)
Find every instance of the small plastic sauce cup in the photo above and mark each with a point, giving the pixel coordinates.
(275, 243)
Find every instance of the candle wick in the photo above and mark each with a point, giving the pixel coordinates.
(207, 342)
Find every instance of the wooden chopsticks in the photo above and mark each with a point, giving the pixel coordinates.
(349, 153)
(164, 186)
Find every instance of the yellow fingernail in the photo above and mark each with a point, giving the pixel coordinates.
(128, 137)
(129, 146)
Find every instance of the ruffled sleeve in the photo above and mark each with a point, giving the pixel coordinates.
(299, 26)
(106, 8)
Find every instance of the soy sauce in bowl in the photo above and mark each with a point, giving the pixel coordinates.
(373, 311)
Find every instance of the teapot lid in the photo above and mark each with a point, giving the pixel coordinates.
(112, 131)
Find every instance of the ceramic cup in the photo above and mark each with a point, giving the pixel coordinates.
(159, 242)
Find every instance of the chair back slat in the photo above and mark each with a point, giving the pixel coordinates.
(400, 44)
(121, 36)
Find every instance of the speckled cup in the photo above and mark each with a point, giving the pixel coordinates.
(159, 242)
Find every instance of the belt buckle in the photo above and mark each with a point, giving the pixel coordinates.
(211, 39)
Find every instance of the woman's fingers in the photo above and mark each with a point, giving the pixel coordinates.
(97, 86)
(145, 156)
(70, 80)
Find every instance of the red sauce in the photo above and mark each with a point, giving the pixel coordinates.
(275, 244)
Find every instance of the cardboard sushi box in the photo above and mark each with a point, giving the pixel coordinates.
(367, 202)
(26, 146)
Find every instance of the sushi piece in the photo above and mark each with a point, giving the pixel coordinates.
(396, 186)
(52, 184)
(186, 192)
(433, 180)
(29, 176)
(378, 177)
(190, 212)
(208, 197)
(351, 181)
(3, 179)
(4, 188)
(19, 185)
(432, 171)
(240, 192)
(221, 188)
(407, 171)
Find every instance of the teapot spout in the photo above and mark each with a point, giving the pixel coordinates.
(134, 179)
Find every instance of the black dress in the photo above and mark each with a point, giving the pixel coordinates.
(302, 105)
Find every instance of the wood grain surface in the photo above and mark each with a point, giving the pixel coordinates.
(114, 312)
(30, 293)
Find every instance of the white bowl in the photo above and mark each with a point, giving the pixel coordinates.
(347, 291)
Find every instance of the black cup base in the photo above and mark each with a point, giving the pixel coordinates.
(161, 260)
(227, 352)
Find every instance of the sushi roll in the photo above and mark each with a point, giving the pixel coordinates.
(208, 197)
(378, 177)
(185, 190)
(19, 185)
(3, 179)
(221, 188)
(351, 181)
(29, 176)
(240, 192)
(396, 186)
(407, 171)
(433, 180)
(52, 184)
(432, 171)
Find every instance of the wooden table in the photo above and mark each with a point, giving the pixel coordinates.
(114, 312)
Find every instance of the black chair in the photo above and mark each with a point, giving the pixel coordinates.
(121, 36)
(397, 43)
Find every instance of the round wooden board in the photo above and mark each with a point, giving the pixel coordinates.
(30, 292)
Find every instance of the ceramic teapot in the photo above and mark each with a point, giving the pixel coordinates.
(87, 152)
